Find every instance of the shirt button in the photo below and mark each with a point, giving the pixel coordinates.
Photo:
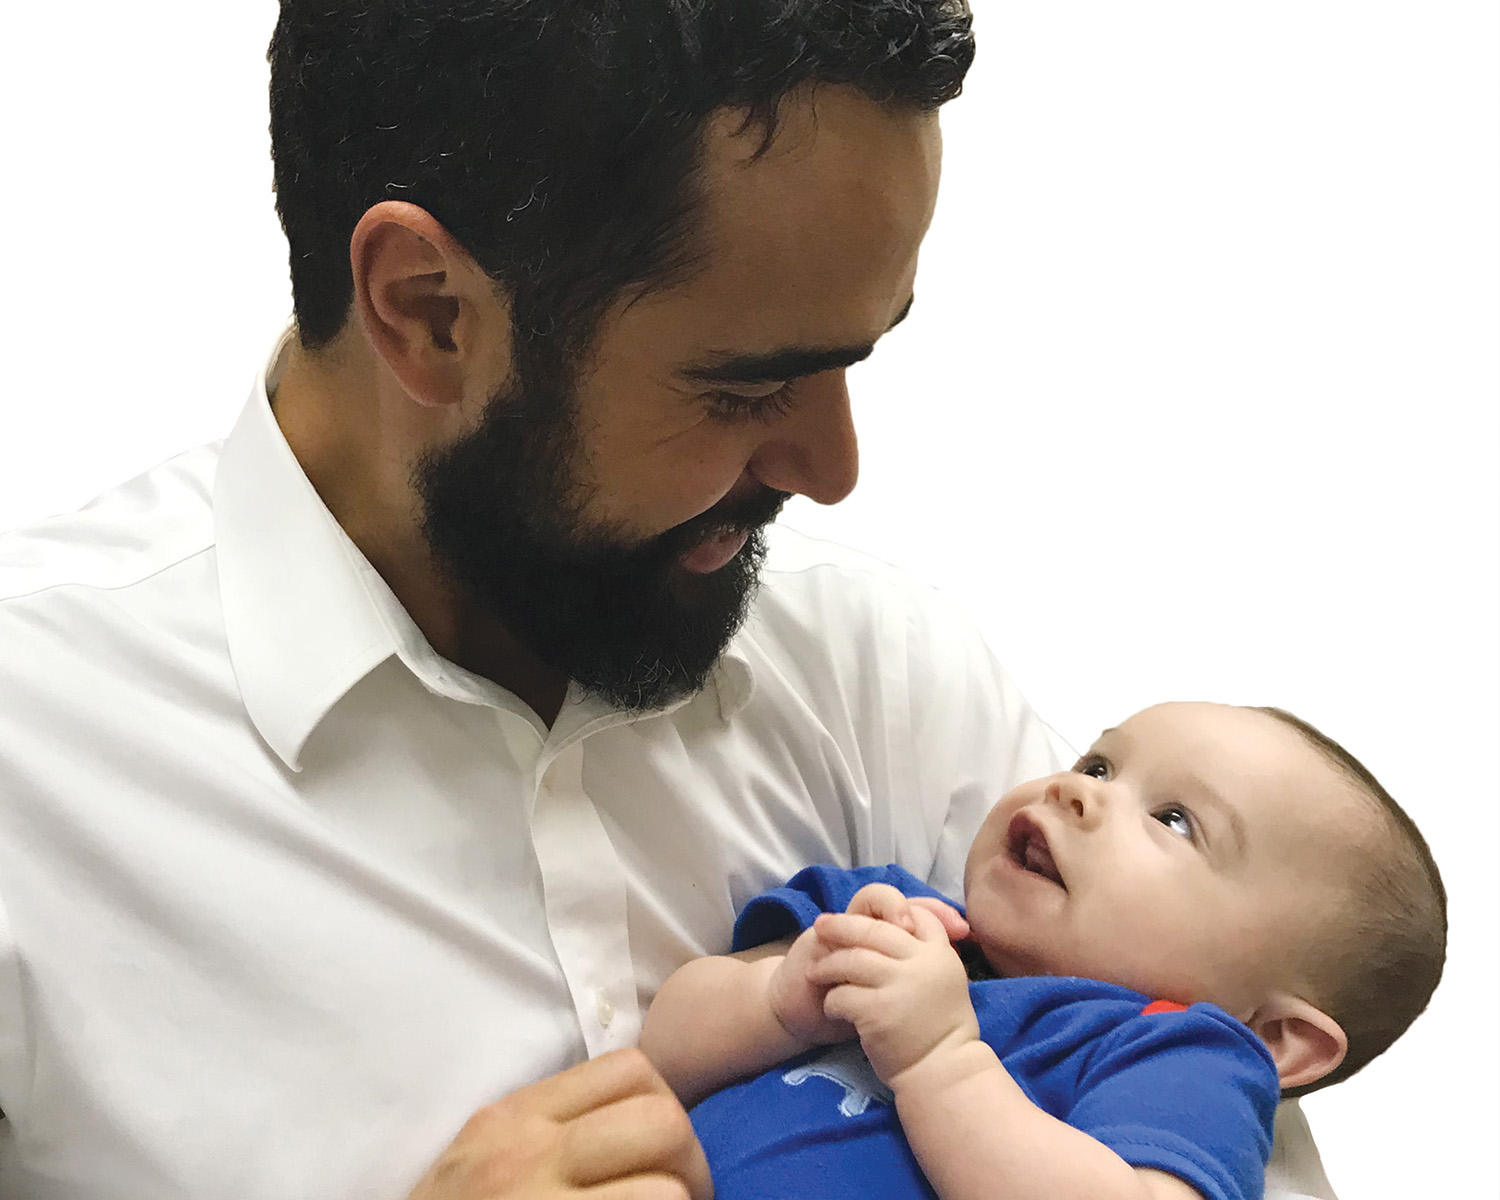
(604, 1009)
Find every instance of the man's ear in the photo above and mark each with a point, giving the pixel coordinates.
(426, 308)
(1305, 1042)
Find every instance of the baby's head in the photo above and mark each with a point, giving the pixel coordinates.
(1234, 855)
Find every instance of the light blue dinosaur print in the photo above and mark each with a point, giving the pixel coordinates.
(847, 1066)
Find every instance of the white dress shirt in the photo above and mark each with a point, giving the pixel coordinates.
(285, 896)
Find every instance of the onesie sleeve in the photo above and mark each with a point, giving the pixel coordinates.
(1190, 1092)
(791, 908)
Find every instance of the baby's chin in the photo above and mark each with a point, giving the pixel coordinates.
(996, 962)
(976, 965)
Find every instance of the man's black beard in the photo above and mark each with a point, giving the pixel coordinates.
(624, 620)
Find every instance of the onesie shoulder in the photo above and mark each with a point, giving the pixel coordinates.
(1190, 1091)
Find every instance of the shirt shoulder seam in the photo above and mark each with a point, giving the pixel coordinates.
(86, 585)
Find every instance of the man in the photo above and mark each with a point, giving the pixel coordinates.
(360, 772)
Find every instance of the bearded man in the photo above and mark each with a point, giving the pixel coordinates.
(362, 771)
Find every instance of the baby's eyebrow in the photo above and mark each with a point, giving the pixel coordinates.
(1204, 796)
(1227, 813)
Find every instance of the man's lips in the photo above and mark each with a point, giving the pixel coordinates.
(1028, 847)
(715, 551)
(712, 538)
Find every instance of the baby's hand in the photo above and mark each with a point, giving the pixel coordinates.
(907, 994)
(797, 1001)
(885, 903)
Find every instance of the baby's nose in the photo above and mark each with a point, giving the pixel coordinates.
(1074, 794)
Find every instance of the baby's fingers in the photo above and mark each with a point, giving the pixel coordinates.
(849, 1003)
(952, 921)
(846, 930)
(884, 903)
(860, 967)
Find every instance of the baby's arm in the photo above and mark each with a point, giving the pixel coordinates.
(724, 1017)
(972, 1129)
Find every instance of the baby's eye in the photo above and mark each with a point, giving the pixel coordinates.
(1092, 764)
(1177, 819)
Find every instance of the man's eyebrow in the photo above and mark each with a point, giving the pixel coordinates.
(792, 362)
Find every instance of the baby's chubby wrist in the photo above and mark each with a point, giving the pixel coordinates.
(956, 1059)
(772, 981)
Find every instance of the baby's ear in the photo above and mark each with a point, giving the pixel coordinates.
(1305, 1042)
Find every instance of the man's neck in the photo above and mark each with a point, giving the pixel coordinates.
(356, 436)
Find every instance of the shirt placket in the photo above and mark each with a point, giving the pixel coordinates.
(584, 891)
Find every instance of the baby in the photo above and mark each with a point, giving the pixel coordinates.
(1215, 908)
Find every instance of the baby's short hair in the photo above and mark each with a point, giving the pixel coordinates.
(1375, 964)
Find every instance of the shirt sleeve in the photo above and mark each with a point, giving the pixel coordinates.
(15, 1058)
(791, 908)
(1192, 1093)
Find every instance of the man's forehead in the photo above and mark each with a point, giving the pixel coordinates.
(811, 246)
(735, 137)
(829, 145)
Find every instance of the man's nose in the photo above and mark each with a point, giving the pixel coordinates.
(1079, 796)
(813, 450)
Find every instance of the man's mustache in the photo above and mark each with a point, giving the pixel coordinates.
(744, 513)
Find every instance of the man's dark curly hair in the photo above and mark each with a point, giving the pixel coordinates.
(555, 139)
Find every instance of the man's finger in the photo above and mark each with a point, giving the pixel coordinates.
(646, 1187)
(590, 1085)
(639, 1135)
(610, 1119)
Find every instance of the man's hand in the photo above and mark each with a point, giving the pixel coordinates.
(907, 994)
(610, 1127)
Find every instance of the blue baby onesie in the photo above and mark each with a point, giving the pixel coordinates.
(1190, 1091)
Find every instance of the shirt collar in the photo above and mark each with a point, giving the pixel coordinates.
(307, 617)
(301, 625)
(732, 680)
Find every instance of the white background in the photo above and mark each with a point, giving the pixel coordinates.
(1199, 397)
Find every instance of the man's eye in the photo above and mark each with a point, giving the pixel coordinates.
(1092, 764)
(1178, 820)
(762, 403)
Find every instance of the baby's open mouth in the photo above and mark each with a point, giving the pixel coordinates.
(1029, 849)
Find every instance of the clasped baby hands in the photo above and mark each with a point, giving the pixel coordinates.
(885, 969)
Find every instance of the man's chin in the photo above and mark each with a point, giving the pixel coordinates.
(644, 640)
